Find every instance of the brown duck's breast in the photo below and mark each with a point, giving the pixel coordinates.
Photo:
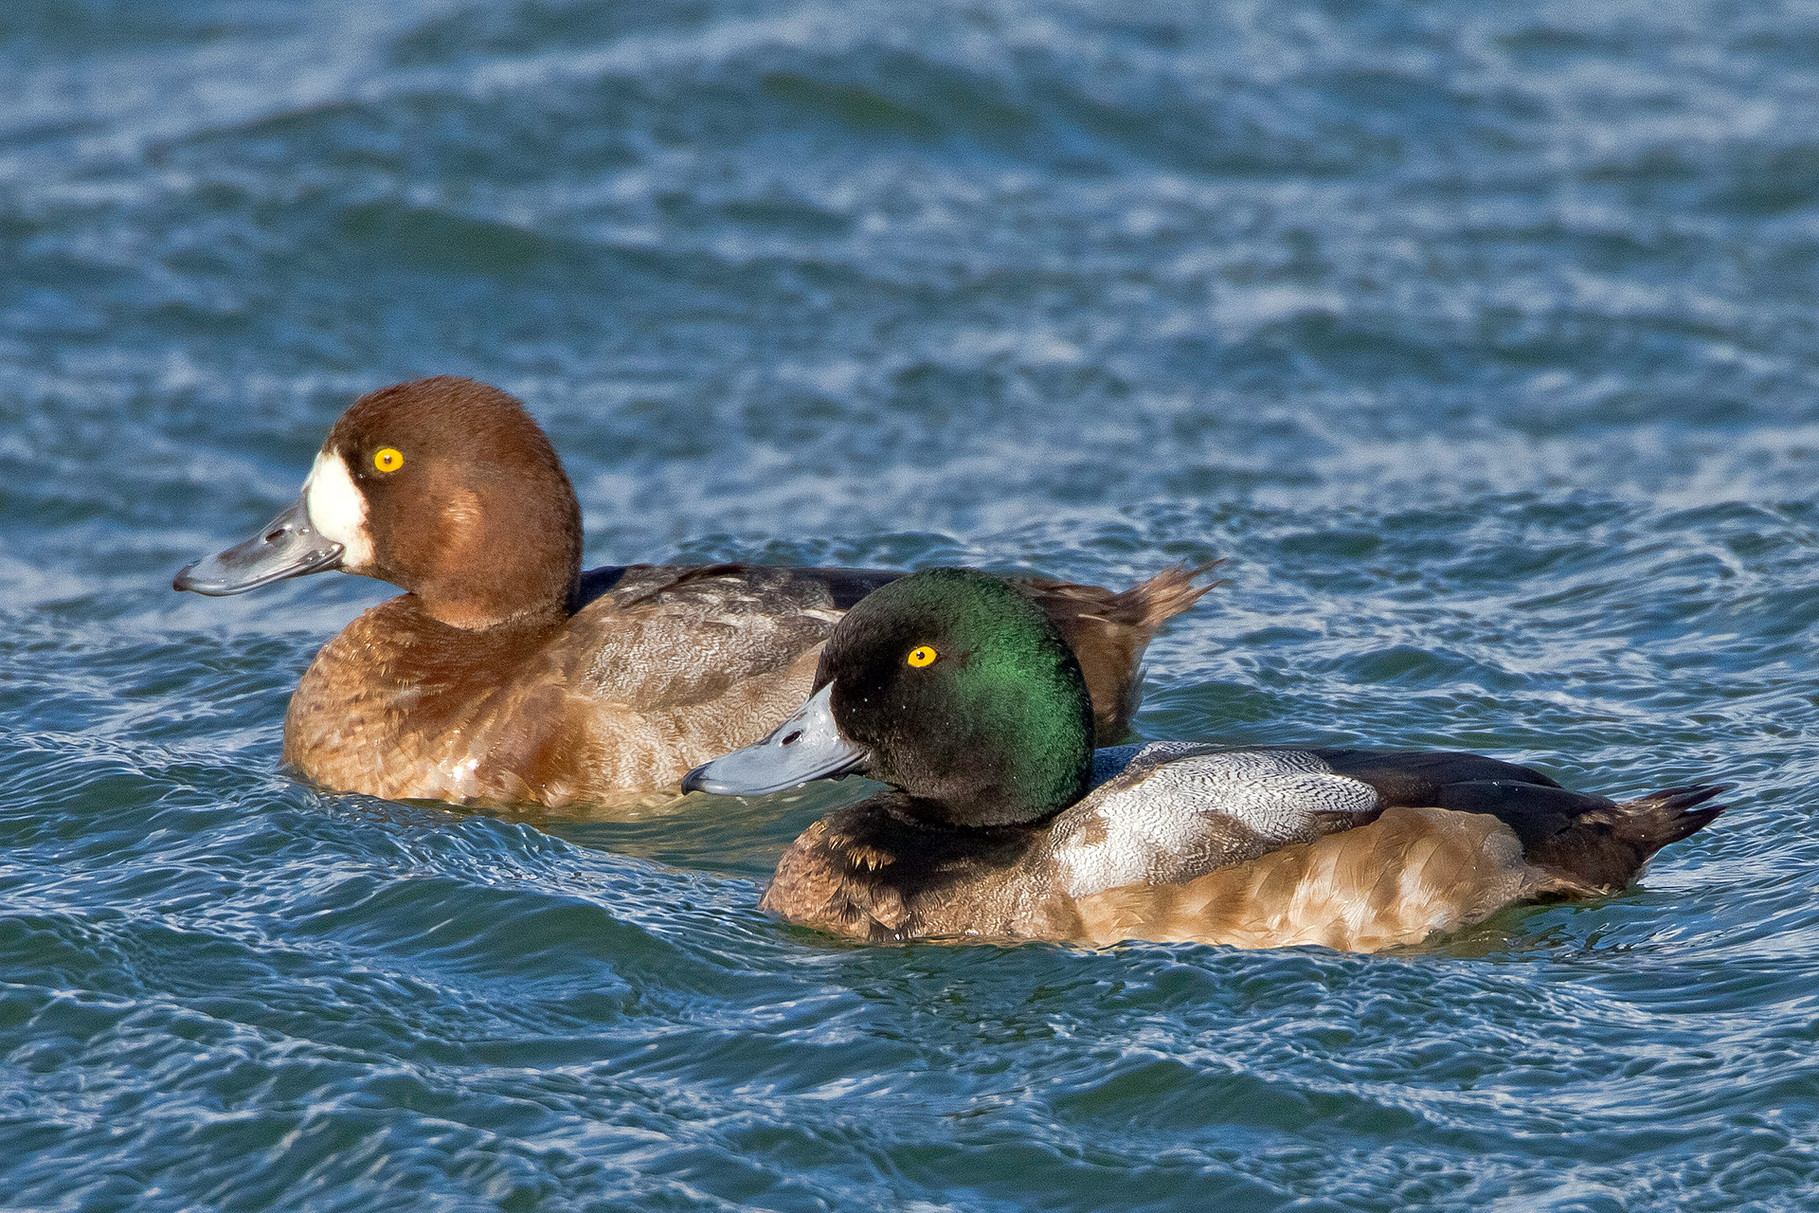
(394, 705)
(1408, 874)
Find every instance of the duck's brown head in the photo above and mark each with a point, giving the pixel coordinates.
(444, 487)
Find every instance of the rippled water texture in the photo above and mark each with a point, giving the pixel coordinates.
(1479, 338)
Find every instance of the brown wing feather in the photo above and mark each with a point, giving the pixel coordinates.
(1107, 629)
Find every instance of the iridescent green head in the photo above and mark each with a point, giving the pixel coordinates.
(962, 693)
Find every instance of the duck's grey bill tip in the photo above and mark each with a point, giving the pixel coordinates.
(806, 746)
(287, 546)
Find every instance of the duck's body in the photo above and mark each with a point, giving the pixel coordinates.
(505, 675)
(663, 668)
(663, 665)
(1252, 848)
(1004, 824)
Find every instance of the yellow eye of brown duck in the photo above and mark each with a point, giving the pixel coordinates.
(922, 655)
(388, 459)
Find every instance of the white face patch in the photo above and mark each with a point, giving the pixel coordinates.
(337, 510)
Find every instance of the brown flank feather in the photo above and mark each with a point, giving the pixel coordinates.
(1408, 874)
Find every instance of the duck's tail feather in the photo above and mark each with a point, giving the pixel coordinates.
(1151, 603)
(1668, 816)
(1605, 849)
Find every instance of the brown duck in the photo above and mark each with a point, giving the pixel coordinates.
(1003, 823)
(506, 674)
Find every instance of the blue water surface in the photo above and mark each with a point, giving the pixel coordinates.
(1479, 339)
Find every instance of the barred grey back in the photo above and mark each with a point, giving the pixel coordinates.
(1174, 810)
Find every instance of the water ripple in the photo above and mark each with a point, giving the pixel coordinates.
(1477, 340)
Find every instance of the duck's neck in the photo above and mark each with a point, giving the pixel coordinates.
(477, 612)
(1020, 774)
(496, 553)
(489, 580)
